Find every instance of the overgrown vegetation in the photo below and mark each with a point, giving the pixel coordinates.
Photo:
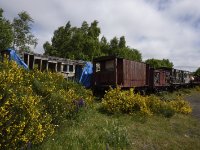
(116, 100)
(32, 104)
(84, 43)
(197, 72)
(98, 129)
(17, 34)
(93, 129)
(43, 111)
(157, 63)
(6, 35)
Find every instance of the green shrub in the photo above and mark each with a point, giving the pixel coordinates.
(181, 106)
(197, 88)
(59, 96)
(32, 103)
(116, 100)
(22, 117)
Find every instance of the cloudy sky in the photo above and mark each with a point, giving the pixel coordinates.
(158, 28)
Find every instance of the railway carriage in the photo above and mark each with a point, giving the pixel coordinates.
(160, 79)
(112, 71)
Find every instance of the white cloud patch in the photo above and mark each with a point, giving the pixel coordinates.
(158, 28)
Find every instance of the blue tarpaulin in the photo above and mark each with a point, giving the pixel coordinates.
(16, 58)
(86, 76)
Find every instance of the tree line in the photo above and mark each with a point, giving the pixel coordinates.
(83, 43)
(17, 34)
(70, 42)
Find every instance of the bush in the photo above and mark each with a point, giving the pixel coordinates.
(158, 106)
(32, 103)
(116, 100)
(181, 106)
(22, 117)
(59, 96)
(197, 88)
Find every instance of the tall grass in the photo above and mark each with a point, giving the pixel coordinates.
(93, 129)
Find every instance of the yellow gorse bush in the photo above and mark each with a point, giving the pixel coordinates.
(22, 119)
(117, 100)
(32, 103)
(59, 96)
(181, 106)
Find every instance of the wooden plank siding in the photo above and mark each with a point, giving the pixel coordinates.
(126, 73)
(134, 73)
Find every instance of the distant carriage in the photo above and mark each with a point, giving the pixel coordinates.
(109, 71)
(70, 69)
(113, 71)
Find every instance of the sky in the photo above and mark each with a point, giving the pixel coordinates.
(168, 29)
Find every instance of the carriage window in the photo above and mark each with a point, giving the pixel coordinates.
(71, 68)
(109, 65)
(167, 77)
(185, 75)
(98, 68)
(157, 78)
(64, 68)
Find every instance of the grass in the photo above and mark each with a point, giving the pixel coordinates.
(92, 129)
(181, 92)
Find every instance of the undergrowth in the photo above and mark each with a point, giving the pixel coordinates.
(117, 100)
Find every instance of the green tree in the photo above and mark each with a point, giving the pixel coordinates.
(104, 46)
(122, 42)
(48, 49)
(197, 72)
(156, 63)
(83, 43)
(92, 46)
(119, 48)
(6, 35)
(133, 54)
(114, 47)
(23, 38)
(75, 43)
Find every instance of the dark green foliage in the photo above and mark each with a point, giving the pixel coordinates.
(83, 43)
(197, 72)
(156, 63)
(75, 43)
(59, 95)
(6, 35)
(104, 46)
(118, 48)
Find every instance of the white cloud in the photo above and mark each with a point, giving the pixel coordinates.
(158, 28)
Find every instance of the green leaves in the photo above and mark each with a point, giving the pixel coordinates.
(156, 63)
(33, 103)
(23, 38)
(75, 43)
(18, 33)
(197, 72)
(83, 43)
(6, 35)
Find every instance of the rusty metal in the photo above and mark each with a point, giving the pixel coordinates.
(125, 73)
(160, 77)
